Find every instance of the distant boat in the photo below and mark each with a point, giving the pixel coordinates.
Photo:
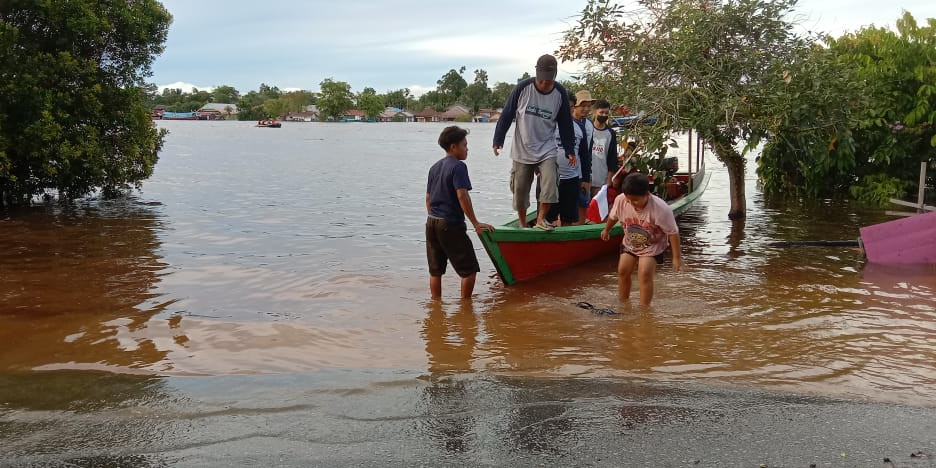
(179, 116)
(269, 124)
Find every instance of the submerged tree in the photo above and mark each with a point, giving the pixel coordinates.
(896, 130)
(335, 98)
(719, 68)
(72, 113)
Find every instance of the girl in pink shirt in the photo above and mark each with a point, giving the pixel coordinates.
(649, 227)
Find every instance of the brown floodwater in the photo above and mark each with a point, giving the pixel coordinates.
(265, 251)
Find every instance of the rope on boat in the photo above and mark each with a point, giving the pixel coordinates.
(816, 243)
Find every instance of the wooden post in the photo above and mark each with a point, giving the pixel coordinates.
(689, 170)
(922, 187)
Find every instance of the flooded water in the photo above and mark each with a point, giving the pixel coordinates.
(256, 251)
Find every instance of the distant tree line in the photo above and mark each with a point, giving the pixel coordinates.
(336, 97)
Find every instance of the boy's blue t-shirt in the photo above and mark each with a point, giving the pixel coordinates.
(445, 177)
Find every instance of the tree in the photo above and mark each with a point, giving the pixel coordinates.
(398, 98)
(451, 86)
(225, 93)
(477, 94)
(334, 99)
(702, 66)
(896, 129)
(371, 104)
(500, 93)
(72, 100)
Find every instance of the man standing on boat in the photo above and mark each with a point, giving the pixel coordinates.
(604, 148)
(539, 105)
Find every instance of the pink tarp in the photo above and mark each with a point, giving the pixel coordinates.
(906, 240)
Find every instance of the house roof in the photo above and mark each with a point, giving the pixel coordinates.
(356, 112)
(427, 112)
(219, 107)
(454, 111)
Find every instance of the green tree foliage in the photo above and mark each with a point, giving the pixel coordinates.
(250, 105)
(292, 101)
(335, 99)
(703, 66)
(72, 103)
(399, 98)
(226, 94)
(500, 93)
(477, 94)
(450, 88)
(896, 130)
(809, 148)
(370, 103)
(434, 99)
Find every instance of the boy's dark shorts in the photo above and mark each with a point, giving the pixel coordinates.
(448, 241)
(658, 257)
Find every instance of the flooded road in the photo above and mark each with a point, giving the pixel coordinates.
(273, 256)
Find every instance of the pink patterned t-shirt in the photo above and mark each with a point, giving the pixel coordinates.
(646, 232)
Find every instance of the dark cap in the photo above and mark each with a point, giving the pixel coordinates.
(546, 68)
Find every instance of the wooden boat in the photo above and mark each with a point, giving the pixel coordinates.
(269, 124)
(520, 254)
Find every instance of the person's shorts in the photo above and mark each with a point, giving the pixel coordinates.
(658, 257)
(521, 180)
(448, 241)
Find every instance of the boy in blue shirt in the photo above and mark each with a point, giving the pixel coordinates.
(447, 205)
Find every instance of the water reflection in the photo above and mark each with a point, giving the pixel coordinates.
(450, 342)
(82, 419)
(75, 281)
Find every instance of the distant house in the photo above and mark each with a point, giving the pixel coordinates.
(217, 111)
(455, 112)
(487, 115)
(300, 117)
(395, 114)
(353, 115)
(427, 115)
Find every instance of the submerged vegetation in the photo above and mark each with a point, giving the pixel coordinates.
(73, 115)
(849, 115)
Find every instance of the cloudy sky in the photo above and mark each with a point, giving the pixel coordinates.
(388, 45)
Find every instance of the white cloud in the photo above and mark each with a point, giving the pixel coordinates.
(417, 90)
(185, 87)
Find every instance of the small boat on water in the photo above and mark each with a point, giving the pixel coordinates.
(521, 254)
(269, 124)
(179, 116)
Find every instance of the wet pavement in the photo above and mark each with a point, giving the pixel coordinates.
(341, 418)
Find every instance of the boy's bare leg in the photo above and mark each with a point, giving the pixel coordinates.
(645, 270)
(467, 285)
(625, 269)
(435, 286)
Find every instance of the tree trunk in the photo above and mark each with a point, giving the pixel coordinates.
(733, 160)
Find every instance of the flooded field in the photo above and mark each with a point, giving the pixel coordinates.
(265, 255)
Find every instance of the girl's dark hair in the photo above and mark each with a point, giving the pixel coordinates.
(636, 184)
(452, 136)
